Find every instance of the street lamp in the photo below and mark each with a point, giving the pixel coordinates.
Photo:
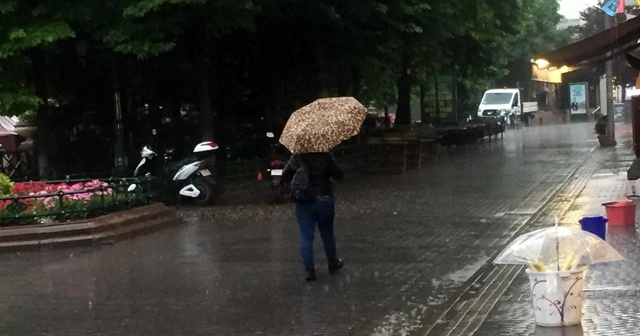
(541, 63)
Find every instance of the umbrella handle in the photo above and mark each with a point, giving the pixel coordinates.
(577, 261)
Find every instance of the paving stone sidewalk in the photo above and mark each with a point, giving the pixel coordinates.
(611, 305)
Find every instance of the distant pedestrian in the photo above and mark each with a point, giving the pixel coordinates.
(310, 175)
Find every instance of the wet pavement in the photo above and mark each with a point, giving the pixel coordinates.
(412, 245)
(611, 290)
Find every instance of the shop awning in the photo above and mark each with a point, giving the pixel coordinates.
(621, 38)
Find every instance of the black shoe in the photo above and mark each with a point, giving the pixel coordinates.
(310, 275)
(335, 266)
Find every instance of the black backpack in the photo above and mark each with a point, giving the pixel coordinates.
(300, 190)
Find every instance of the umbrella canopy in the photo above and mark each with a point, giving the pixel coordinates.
(323, 124)
(558, 249)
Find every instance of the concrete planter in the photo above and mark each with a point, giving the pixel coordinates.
(29, 131)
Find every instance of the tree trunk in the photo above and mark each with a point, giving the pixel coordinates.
(204, 97)
(387, 122)
(437, 97)
(43, 135)
(344, 83)
(403, 113)
(356, 81)
(422, 103)
(455, 96)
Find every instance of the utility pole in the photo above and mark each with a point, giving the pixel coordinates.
(611, 127)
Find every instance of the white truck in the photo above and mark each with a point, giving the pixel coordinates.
(505, 102)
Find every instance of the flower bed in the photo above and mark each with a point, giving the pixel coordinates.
(41, 202)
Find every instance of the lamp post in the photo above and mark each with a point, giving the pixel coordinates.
(608, 23)
(611, 127)
(120, 161)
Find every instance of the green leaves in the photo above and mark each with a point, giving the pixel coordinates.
(16, 92)
(20, 39)
(381, 8)
(8, 6)
(143, 28)
(326, 39)
(411, 28)
(5, 185)
(17, 100)
(140, 8)
(143, 7)
(143, 41)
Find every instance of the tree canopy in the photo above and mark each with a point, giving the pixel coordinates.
(254, 61)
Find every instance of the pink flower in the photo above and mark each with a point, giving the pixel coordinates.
(76, 192)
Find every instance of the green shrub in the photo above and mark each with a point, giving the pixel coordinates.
(5, 185)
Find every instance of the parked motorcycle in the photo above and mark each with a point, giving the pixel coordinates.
(510, 119)
(505, 118)
(193, 177)
(279, 188)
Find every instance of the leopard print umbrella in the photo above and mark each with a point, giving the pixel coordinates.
(323, 124)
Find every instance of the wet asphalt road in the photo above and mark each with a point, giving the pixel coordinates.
(409, 243)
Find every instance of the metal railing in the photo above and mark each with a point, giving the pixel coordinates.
(18, 165)
(73, 202)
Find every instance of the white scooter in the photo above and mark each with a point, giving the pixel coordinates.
(193, 177)
(510, 119)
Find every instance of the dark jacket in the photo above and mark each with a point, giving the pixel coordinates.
(322, 168)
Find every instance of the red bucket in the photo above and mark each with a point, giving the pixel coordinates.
(622, 213)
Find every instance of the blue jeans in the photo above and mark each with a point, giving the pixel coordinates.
(322, 213)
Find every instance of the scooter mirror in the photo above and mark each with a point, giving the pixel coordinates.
(270, 135)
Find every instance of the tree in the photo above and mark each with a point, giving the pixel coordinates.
(473, 38)
(474, 41)
(247, 64)
(33, 32)
(16, 91)
(538, 35)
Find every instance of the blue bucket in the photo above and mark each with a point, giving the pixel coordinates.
(596, 225)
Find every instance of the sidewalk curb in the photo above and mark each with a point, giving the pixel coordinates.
(490, 282)
(107, 229)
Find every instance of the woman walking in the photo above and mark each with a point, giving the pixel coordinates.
(318, 209)
(311, 132)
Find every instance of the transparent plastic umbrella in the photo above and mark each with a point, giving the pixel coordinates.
(558, 249)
